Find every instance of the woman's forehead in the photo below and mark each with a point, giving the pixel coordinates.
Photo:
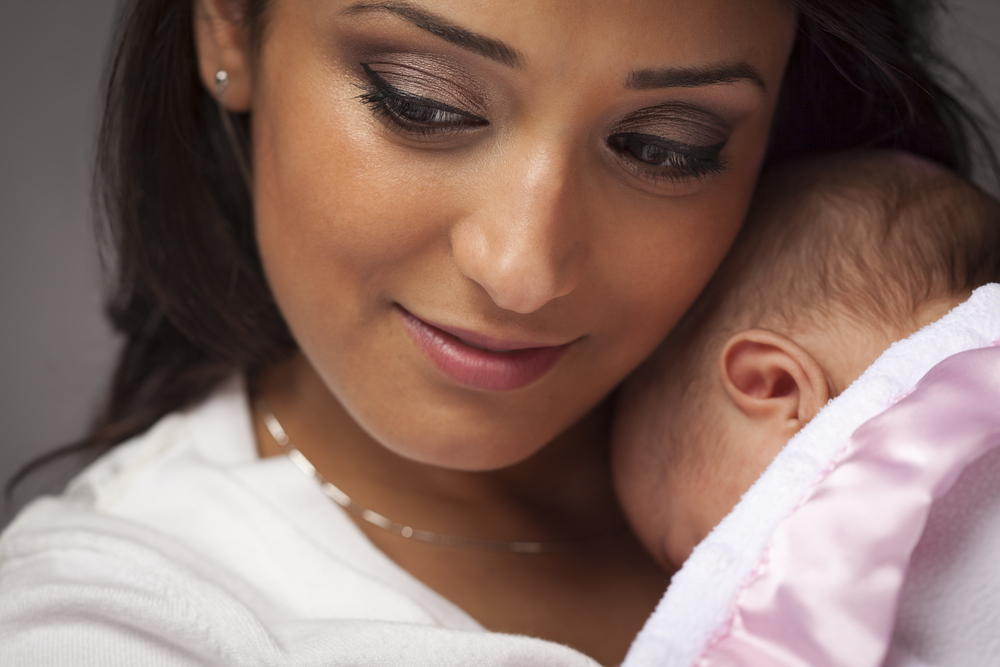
(540, 35)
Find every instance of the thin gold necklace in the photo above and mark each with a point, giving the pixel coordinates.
(402, 530)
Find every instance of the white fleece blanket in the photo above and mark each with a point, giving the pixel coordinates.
(949, 602)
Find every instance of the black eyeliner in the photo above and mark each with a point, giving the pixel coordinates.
(381, 91)
(701, 152)
(683, 160)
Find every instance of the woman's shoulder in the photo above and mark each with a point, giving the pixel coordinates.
(77, 582)
(216, 433)
(81, 588)
(85, 588)
(109, 565)
(192, 492)
(182, 547)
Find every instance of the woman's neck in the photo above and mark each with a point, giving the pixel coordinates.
(561, 493)
(594, 597)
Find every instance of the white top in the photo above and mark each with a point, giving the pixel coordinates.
(183, 547)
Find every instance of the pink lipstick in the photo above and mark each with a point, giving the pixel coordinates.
(481, 362)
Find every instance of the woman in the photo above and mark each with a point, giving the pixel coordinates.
(448, 233)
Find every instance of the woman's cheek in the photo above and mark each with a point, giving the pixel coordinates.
(663, 255)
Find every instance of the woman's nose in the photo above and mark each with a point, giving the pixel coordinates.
(525, 242)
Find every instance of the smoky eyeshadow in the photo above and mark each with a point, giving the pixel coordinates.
(415, 71)
(677, 121)
(423, 77)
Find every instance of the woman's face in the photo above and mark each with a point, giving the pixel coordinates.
(551, 180)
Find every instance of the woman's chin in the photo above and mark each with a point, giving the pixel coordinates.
(446, 436)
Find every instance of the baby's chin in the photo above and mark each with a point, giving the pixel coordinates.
(667, 539)
(677, 546)
(669, 543)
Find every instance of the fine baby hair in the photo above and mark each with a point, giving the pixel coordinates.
(840, 256)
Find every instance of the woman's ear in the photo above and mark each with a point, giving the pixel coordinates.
(771, 378)
(222, 41)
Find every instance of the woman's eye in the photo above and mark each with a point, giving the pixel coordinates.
(413, 113)
(662, 158)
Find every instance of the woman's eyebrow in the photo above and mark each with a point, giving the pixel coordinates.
(425, 20)
(692, 77)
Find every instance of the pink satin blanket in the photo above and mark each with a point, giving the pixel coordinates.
(826, 589)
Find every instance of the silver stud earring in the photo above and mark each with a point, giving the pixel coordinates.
(221, 83)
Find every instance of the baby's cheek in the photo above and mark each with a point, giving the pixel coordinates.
(641, 490)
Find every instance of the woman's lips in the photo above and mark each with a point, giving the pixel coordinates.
(481, 362)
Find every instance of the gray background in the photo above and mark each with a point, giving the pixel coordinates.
(55, 349)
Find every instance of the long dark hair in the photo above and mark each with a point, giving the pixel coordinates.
(175, 215)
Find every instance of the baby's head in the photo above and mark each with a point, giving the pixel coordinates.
(840, 256)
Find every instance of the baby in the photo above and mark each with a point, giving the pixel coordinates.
(840, 257)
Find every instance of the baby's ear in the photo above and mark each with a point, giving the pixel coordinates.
(770, 377)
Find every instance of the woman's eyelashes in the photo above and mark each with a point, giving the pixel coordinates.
(694, 153)
(651, 157)
(660, 159)
(412, 114)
